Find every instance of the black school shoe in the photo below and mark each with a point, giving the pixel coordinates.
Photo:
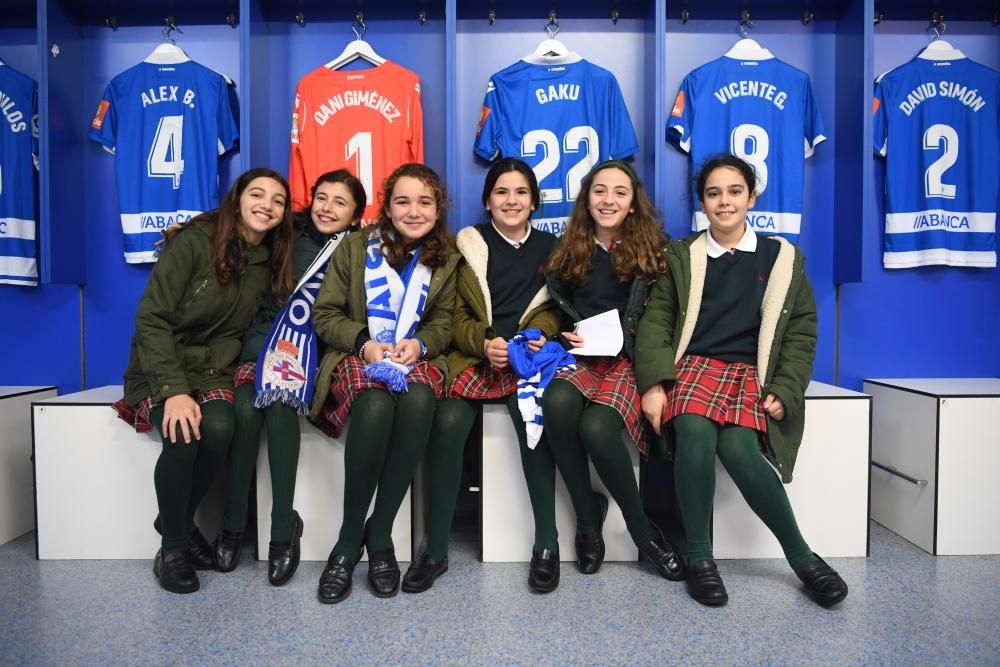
(705, 585)
(822, 583)
(422, 572)
(335, 582)
(199, 550)
(283, 557)
(383, 572)
(175, 573)
(590, 548)
(543, 573)
(663, 555)
(226, 551)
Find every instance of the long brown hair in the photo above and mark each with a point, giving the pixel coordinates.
(438, 242)
(349, 181)
(639, 250)
(228, 256)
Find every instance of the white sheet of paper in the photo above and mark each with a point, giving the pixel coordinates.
(602, 335)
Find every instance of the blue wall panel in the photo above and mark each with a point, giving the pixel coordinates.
(929, 321)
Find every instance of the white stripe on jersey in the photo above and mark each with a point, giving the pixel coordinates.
(17, 228)
(20, 270)
(783, 223)
(906, 223)
(906, 260)
(144, 257)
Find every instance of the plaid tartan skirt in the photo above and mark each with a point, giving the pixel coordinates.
(610, 381)
(349, 379)
(727, 392)
(137, 416)
(483, 382)
(245, 374)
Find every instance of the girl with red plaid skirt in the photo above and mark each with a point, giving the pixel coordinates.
(338, 199)
(205, 289)
(724, 353)
(389, 429)
(610, 255)
(501, 290)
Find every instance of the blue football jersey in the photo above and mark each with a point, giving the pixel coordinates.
(18, 178)
(167, 125)
(937, 123)
(762, 110)
(562, 119)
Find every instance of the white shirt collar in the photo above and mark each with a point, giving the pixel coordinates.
(747, 244)
(516, 244)
(601, 244)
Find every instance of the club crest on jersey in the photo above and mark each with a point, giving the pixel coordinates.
(678, 105)
(102, 110)
(483, 115)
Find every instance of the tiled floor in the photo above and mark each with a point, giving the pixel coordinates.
(905, 607)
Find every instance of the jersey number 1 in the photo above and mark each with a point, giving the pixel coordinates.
(360, 148)
(165, 159)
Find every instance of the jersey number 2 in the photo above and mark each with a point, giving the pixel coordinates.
(572, 140)
(164, 159)
(940, 136)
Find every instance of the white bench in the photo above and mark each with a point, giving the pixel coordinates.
(94, 481)
(16, 497)
(319, 497)
(829, 489)
(935, 457)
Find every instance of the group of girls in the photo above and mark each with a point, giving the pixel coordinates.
(414, 328)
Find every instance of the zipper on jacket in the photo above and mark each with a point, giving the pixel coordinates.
(203, 285)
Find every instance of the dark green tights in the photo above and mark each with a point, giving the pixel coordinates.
(576, 429)
(386, 439)
(698, 441)
(184, 471)
(282, 457)
(454, 420)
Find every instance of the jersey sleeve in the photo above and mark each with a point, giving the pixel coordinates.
(813, 123)
(488, 132)
(680, 125)
(623, 140)
(105, 124)
(296, 170)
(228, 132)
(880, 128)
(416, 125)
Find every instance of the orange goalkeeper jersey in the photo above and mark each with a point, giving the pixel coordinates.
(367, 121)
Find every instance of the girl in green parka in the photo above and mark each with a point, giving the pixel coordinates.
(338, 199)
(385, 313)
(211, 278)
(501, 290)
(724, 353)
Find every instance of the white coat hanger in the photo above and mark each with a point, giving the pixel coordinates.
(358, 48)
(939, 49)
(551, 51)
(746, 48)
(168, 53)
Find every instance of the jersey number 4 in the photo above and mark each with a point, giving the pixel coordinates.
(165, 153)
(575, 137)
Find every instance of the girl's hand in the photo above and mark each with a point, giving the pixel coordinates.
(406, 352)
(654, 401)
(536, 345)
(774, 407)
(573, 339)
(184, 410)
(495, 350)
(376, 352)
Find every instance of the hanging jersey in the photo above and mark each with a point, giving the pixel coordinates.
(367, 121)
(562, 119)
(167, 125)
(937, 123)
(762, 111)
(18, 178)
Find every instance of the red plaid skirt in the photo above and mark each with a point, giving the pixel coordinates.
(137, 416)
(610, 381)
(727, 392)
(483, 382)
(349, 379)
(245, 374)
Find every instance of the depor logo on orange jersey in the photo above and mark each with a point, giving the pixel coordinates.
(102, 109)
(483, 114)
(678, 105)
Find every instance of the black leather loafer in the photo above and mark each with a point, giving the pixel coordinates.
(335, 582)
(543, 573)
(226, 551)
(705, 585)
(590, 548)
(422, 572)
(822, 583)
(283, 557)
(383, 572)
(175, 573)
(662, 555)
(199, 550)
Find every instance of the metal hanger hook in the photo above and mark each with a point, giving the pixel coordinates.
(359, 26)
(169, 27)
(743, 32)
(552, 27)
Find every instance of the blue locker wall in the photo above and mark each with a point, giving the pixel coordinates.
(924, 322)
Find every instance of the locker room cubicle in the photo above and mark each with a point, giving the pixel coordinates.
(74, 329)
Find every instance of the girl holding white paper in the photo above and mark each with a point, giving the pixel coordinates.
(608, 259)
(385, 313)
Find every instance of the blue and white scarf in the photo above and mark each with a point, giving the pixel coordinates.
(395, 304)
(286, 365)
(535, 371)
